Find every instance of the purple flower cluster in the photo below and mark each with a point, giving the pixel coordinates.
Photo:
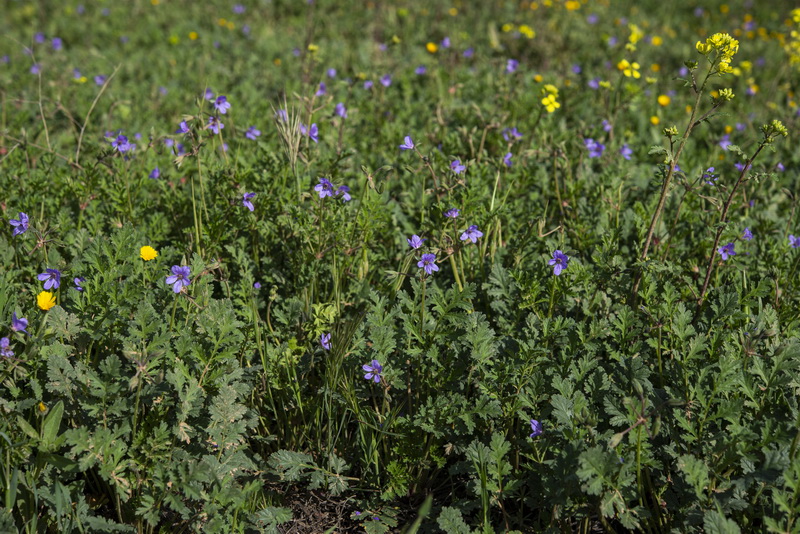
(312, 132)
(325, 188)
(595, 149)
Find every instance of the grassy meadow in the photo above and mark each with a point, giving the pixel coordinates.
(466, 267)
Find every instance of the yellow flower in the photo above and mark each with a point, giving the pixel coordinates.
(432, 47)
(45, 300)
(507, 27)
(550, 89)
(654, 120)
(453, 12)
(538, 78)
(572, 5)
(147, 253)
(657, 41)
(174, 39)
(728, 128)
(664, 100)
(193, 36)
(629, 69)
(550, 104)
(313, 48)
(527, 31)
(42, 407)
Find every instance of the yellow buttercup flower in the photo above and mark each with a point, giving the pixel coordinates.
(432, 47)
(45, 300)
(654, 120)
(629, 69)
(148, 253)
(664, 100)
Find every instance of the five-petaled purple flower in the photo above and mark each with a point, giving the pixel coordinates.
(179, 277)
(511, 65)
(5, 351)
(252, 133)
(99, 79)
(595, 149)
(222, 105)
(747, 235)
(559, 262)
(374, 370)
(428, 262)
(472, 233)
(18, 324)
(246, 201)
(324, 188)
(154, 174)
(214, 124)
(626, 152)
(794, 241)
(325, 341)
(20, 225)
(536, 426)
(415, 241)
(340, 110)
(51, 279)
(182, 128)
(452, 213)
(121, 144)
(386, 80)
(726, 251)
(78, 281)
(323, 89)
(282, 115)
(457, 167)
(421, 70)
(408, 144)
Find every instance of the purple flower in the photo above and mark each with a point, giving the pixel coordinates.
(312, 132)
(592, 18)
(457, 167)
(252, 133)
(368, 85)
(445, 42)
(78, 281)
(18, 324)
(323, 89)
(281, 115)
(5, 351)
(725, 142)
(36, 68)
(246, 198)
(179, 278)
(214, 125)
(222, 105)
(325, 341)
(595, 149)
(594, 83)
(511, 65)
(709, 176)
(39, 37)
(507, 159)
(536, 426)
(452, 213)
(238, 9)
(612, 41)
(408, 144)
(340, 110)
(472, 233)
(606, 126)
(121, 144)
(741, 167)
(154, 174)
(626, 152)
(559, 262)
(182, 128)
(511, 134)
(386, 80)
(576, 69)
(331, 73)
(415, 241)
(698, 12)
(168, 142)
(374, 370)
(794, 241)
(747, 235)
(51, 278)
(779, 167)
(209, 94)
(726, 251)
(324, 188)
(257, 285)
(100, 79)
(428, 262)
(421, 70)
(345, 192)
(20, 225)
(57, 43)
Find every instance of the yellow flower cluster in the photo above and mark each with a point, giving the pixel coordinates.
(629, 69)
(725, 45)
(792, 44)
(550, 97)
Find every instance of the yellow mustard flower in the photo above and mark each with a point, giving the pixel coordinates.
(629, 69)
(45, 300)
(148, 253)
(550, 104)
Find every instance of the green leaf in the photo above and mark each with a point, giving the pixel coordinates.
(52, 422)
(716, 523)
